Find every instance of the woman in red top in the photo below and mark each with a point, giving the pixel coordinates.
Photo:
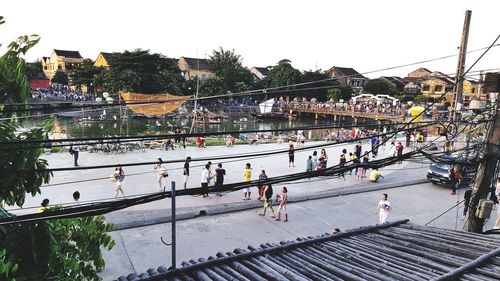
(456, 179)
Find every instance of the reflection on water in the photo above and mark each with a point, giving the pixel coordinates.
(144, 126)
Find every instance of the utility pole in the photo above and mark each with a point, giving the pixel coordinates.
(459, 85)
(485, 173)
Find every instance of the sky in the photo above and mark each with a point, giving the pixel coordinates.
(366, 35)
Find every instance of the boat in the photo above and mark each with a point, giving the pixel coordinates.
(267, 110)
(153, 104)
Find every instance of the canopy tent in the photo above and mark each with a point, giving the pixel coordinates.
(154, 104)
(267, 106)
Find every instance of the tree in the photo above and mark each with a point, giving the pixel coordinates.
(323, 87)
(334, 94)
(60, 78)
(283, 74)
(57, 249)
(228, 66)
(346, 92)
(212, 86)
(34, 70)
(379, 86)
(142, 72)
(85, 75)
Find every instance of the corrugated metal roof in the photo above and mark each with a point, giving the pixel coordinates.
(393, 251)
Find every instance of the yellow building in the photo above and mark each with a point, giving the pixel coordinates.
(102, 60)
(62, 60)
(419, 73)
(192, 68)
(435, 86)
(471, 87)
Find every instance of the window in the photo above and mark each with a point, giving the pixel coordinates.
(59, 67)
(203, 76)
(438, 88)
(473, 90)
(426, 88)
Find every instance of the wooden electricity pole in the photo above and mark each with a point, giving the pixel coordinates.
(485, 173)
(459, 84)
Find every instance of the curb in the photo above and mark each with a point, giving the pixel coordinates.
(151, 217)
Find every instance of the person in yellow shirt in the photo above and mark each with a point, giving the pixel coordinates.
(247, 176)
(45, 205)
(375, 175)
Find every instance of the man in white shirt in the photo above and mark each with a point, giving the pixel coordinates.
(205, 179)
(75, 151)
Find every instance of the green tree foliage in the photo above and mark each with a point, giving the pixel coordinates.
(34, 70)
(334, 94)
(228, 67)
(283, 74)
(85, 75)
(346, 92)
(212, 86)
(67, 249)
(142, 72)
(323, 87)
(60, 77)
(379, 86)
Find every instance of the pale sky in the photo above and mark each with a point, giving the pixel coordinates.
(367, 35)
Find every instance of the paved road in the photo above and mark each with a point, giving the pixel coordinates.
(138, 249)
(145, 182)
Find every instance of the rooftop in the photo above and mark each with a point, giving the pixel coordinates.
(391, 251)
(347, 71)
(263, 70)
(195, 63)
(68, 54)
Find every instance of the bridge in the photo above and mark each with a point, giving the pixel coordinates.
(341, 115)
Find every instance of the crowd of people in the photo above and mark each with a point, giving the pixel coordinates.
(60, 92)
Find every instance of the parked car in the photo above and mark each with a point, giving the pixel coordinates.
(441, 172)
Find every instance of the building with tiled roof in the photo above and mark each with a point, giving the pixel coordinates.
(192, 68)
(259, 72)
(60, 60)
(103, 59)
(391, 251)
(347, 76)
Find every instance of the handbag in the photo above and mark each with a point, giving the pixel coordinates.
(112, 178)
(162, 172)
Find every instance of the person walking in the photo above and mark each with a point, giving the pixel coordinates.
(219, 178)
(75, 151)
(262, 177)
(324, 157)
(161, 173)
(456, 179)
(315, 160)
(268, 201)
(309, 164)
(342, 162)
(120, 177)
(399, 151)
(291, 156)
(186, 171)
(383, 208)
(247, 176)
(392, 150)
(467, 196)
(282, 200)
(364, 167)
(205, 180)
(357, 150)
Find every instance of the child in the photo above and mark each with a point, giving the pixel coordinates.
(268, 202)
(282, 199)
(247, 176)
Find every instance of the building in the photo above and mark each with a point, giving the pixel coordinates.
(392, 251)
(192, 68)
(259, 72)
(348, 77)
(395, 81)
(412, 85)
(435, 86)
(61, 60)
(419, 73)
(102, 60)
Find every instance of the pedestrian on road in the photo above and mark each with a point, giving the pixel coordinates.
(399, 151)
(268, 202)
(375, 175)
(315, 160)
(309, 164)
(282, 200)
(324, 158)
(364, 167)
(247, 176)
(75, 151)
(262, 177)
(161, 173)
(342, 162)
(383, 208)
(186, 171)
(291, 156)
(357, 150)
(219, 178)
(205, 180)
(467, 196)
(120, 177)
(456, 179)
(392, 150)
